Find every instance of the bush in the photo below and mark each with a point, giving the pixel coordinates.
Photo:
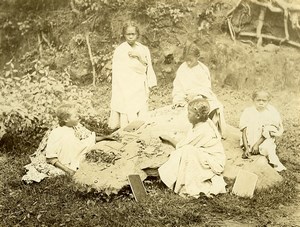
(31, 100)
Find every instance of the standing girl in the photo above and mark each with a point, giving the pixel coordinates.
(132, 76)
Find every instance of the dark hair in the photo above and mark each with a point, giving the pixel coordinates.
(63, 113)
(261, 92)
(201, 107)
(130, 24)
(191, 50)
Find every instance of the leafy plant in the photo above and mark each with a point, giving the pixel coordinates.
(33, 98)
(162, 10)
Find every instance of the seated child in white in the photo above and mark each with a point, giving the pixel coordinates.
(260, 125)
(197, 164)
(62, 147)
(192, 80)
(64, 150)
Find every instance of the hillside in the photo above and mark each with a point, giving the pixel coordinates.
(55, 33)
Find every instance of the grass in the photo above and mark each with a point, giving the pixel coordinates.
(59, 202)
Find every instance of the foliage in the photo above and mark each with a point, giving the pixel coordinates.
(28, 5)
(32, 99)
(163, 10)
(57, 65)
(10, 41)
(102, 61)
(21, 32)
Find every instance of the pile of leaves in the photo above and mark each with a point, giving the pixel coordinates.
(100, 156)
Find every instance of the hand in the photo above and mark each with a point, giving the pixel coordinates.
(165, 138)
(168, 140)
(246, 154)
(255, 149)
(192, 96)
(176, 105)
(274, 133)
(70, 172)
(134, 54)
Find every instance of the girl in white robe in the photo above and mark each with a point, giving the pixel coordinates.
(197, 164)
(192, 80)
(260, 125)
(132, 76)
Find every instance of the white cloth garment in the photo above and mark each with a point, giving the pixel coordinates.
(191, 81)
(38, 168)
(196, 81)
(261, 123)
(131, 81)
(66, 147)
(197, 163)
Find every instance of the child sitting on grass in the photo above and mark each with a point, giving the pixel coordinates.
(64, 150)
(62, 147)
(260, 125)
(197, 164)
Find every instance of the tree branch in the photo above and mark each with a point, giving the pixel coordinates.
(40, 47)
(234, 8)
(91, 58)
(270, 37)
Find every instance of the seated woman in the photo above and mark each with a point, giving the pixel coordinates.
(197, 164)
(193, 79)
(62, 147)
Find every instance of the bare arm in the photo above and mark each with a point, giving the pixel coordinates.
(101, 138)
(255, 148)
(168, 139)
(137, 55)
(245, 144)
(55, 162)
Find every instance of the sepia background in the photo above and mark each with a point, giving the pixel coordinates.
(61, 50)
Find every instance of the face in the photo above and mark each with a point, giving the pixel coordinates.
(193, 116)
(261, 101)
(73, 120)
(131, 35)
(191, 61)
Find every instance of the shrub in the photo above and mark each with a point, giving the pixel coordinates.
(31, 100)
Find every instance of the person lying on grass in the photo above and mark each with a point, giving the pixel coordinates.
(260, 124)
(62, 147)
(64, 150)
(197, 164)
(193, 79)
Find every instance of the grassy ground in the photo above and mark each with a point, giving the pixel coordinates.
(58, 202)
(55, 202)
